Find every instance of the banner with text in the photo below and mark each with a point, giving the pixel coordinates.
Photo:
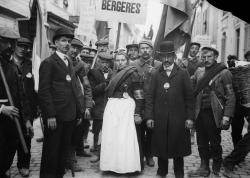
(129, 11)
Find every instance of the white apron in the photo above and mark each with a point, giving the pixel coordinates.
(119, 145)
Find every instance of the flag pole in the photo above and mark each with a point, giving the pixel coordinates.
(118, 36)
(186, 50)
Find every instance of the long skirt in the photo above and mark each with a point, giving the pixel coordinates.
(119, 145)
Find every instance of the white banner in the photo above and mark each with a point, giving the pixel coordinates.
(125, 11)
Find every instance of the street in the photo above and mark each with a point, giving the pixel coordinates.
(92, 170)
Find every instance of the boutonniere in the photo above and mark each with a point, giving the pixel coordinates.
(166, 86)
(29, 75)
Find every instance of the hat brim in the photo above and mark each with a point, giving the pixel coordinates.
(67, 35)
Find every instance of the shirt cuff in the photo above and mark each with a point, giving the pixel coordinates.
(1, 108)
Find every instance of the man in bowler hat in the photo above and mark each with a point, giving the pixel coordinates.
(58, 93)
(170, 112)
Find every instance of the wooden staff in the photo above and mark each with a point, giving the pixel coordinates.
(19, 130)
(94, 61)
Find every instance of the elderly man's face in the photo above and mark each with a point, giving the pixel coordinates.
(208, 58)
(145, 51)
(133, 53)
(63, 44)
(194, 50)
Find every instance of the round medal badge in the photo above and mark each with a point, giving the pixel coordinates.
(125, 95)
(166, 86)
(68, 78)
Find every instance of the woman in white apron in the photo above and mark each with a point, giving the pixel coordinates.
(120, 149)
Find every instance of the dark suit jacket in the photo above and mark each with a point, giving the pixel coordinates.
(98, 84)
(58, 97)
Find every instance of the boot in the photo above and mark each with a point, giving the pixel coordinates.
(216, 167)
(150, 161)
(202, 171)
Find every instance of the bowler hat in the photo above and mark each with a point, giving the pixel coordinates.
(76, 42)
(247, 54)
(146, 41)
(216, 53)
(195, 43)
(166, 47)
(10, 33)
(62, 32)
(132, 45)
(24, 41)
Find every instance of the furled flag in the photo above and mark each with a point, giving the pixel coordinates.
(40, 45)
(175, 23)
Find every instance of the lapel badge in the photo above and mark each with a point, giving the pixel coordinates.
(125, 95)
(68, 78)
(166, 86)
(29, 75)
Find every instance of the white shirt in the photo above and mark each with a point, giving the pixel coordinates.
(106, 75)
(169, 69)
(64, 57)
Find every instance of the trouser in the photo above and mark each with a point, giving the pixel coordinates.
(146, 137)
(9, 141)
(23, 160)
(241, 149)
(55, 149)
(178, 167)
(208, 136)
(138, 131)
(238, 122)
(80, 133)
(97, 126)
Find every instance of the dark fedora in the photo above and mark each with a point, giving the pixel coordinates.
(166, 47)
(195, 43)
(216, 53)
(62, 32)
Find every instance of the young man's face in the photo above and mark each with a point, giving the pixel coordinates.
(133, 53)
(194, 49)
(121, 61)
(145, 51)
(63, 44)
(208, 58)
(21, 50)
(4, 44)
(85, 51)
(74, 50)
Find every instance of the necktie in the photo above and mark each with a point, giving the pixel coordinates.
(65, 60)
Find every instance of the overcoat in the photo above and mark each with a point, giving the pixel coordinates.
(170, 109)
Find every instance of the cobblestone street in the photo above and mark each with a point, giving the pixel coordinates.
(92, 170)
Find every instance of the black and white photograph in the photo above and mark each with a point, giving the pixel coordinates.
(124, 89)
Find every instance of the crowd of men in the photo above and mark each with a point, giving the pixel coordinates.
(178, 95)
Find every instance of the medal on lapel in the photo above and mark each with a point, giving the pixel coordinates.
(29, 75)
(68, 78)
(125, 95)
(166, 86)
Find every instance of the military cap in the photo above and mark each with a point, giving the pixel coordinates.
(63, 32)
(195, 43)
(24, 40)
(247, 54)
(105, 56)
(146, 41)
(93, 49)
(76, 42)
(211, 49)
(102, 42)
(7, 32)
(132, 45)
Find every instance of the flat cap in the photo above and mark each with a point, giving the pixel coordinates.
(102, 42)
(105, 56)
(86, 47)
(87, 57)
(93, 49)
(7, 32)
(216, 52)
(132, 45)
(62, 32)
(52, 46)
(146, 41)
(76, 42)
(24, 40)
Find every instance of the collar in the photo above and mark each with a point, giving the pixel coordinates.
(61, 55)
(170, 68)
